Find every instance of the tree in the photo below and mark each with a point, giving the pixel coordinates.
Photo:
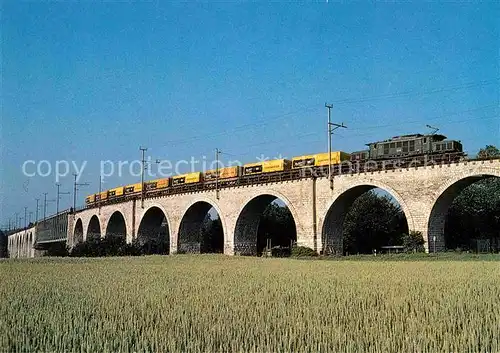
(371, 222)
(475, 214)
(489, 151)
(414, 242)
(212, 236)
(276, 223)
(4, 241)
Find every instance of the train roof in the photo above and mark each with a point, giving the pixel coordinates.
(436, 137)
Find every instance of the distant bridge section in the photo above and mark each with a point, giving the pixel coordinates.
(34, 241)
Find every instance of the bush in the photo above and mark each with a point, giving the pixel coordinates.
(414, 242)
(112, 246)
(303, 251)
(57, 249)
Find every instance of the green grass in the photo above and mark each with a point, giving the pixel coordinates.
(212, 303)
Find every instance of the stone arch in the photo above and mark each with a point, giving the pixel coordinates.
(30, 244)
(78, 231)
(19, 245)
(189, 237)
(247, 223)
(442, 201)
(153, 233)
(116, 226)
(93, 228)
(332, 222)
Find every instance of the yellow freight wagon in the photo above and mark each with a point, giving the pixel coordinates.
(102, 196)
(322, 159)
(303, 161)
(276, 165)
(157, 184)
(115, 192)
(130, 189)
(224, 173)
(252, 168)
(90, 199)
(189, 178)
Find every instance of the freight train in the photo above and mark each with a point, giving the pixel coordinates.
(400, 148)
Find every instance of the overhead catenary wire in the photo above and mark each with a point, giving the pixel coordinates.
(269, 120)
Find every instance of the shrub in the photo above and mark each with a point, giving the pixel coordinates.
(303, 251)
(414, 242)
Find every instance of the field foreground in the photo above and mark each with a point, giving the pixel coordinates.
(211, 303)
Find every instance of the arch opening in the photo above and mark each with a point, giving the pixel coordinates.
(94, 229)
(362, 220)
(153, 235)
(116, 229)
(78, 235)
(265, 226)
(201, 230)
(465, 216)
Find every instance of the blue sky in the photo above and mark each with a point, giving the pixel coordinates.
(92, 81)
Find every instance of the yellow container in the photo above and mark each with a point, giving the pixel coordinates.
(103, 195)
(115, 192)
(163, 183)
(303, 161)
(130, 189)
(189, 178)
(90, 199)
(253, 168)
(157, 184)
(224, 173)
(322, 159)
(276, 165)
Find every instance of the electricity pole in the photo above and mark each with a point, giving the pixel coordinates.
(44, 205)
(58, 197)
(331, 128)
(25, 216)
(217, 152)
(45, 201)
(36, 217)
(143, 150)
(75, 189)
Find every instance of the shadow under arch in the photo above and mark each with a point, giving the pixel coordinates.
(153, 234)
(332, 228)
(94, 229)
(437, 218)
(192, 235)
(78, 233)
(246, 240)
(116, 227)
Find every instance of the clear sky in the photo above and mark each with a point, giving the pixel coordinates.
(92, 81)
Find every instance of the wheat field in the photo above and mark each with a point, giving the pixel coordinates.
(211, 303)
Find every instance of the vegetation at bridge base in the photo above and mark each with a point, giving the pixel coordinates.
(212, 236)
(276, 224)
(473, 221)
(413, 242)
(4, 242)
(108, 246)
(216, 303)
(373, 221)
(149, 246)
(303, 251)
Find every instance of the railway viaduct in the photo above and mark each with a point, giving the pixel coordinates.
(424, 193)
